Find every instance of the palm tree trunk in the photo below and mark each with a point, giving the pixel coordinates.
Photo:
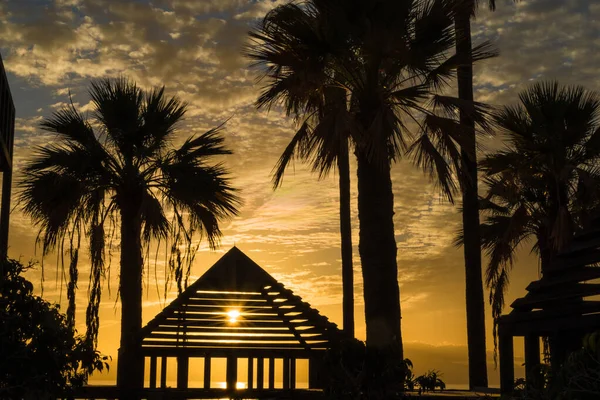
(377, 248)
(343, 162)
(130, 368)
(472, 242)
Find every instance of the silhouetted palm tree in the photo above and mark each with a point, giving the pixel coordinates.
(120, 166)
(390, 56)
(545, 183)
(324, 140)
(464, 10)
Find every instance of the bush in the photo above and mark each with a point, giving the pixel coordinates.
(430, 381)
(354, 372)
(42, 356)
(577, 379)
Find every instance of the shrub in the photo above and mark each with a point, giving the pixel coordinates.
(42, 356)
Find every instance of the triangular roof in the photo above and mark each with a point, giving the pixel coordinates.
(270, 316)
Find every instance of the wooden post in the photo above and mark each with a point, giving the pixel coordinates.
(532, 360)
(286, 373)
(183, 366)
(507, 365)
(250, 372)
(271, 373)
(260, 372)
(153, 372)
(292, 373)
(163, 372)
(231, 372)
(207, 372)
(314, 381)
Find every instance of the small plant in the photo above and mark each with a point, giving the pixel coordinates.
(431, 380)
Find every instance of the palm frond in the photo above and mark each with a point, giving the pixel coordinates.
(294, 149)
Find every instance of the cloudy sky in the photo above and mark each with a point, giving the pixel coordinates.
(55, 47)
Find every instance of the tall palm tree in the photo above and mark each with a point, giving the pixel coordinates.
(390, 56)
(119, 169)
(463, 11)
(323, 140)
(545, 184)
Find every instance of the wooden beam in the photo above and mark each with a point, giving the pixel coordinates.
(250, 372)
(321, 345)
(260, 372)
(225, 352)
(194, 321)
(153, 372)
(532, 361)
(271, 373)
(572, 276)
(183, 368)
(163, 372)
(231, 373)
(507, 366)
(237, 329)
(292, 373)
(243, 339)
(286, 373)
(540, 299)
(207, 372)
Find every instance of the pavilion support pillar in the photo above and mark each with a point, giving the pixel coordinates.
(314, 373)
(286, 373)
(532, 361)
(558, 352)
(292, 373)
(507, 364)
(153, 372)
(231, 372)
(163, 372)
(250, 372)
(271, 373)
(260, 372)
(207, 372)
(183, 367)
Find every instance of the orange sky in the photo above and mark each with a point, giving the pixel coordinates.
(192, 47)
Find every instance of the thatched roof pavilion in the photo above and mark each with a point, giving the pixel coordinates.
(239, 312)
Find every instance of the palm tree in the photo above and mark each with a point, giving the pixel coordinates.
(545, 184)
(120, 166)
(323, 139)
(390, 56)
(463, 11)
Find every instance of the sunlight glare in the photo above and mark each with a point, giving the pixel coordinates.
(233, 316)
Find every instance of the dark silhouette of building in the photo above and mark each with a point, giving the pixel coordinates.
(561, 306)
(7, 134)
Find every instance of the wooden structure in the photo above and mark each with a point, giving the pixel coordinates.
(239, 313)
(7, 134)
(562, 306)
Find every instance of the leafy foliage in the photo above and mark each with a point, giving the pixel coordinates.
(122, 159)
(348, 378)
(430, 381)
(577, 379)
(42, 356)
(389, 57)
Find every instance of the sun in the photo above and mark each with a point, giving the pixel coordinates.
(233, 315)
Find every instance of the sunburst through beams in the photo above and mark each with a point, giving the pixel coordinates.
(233, 316)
